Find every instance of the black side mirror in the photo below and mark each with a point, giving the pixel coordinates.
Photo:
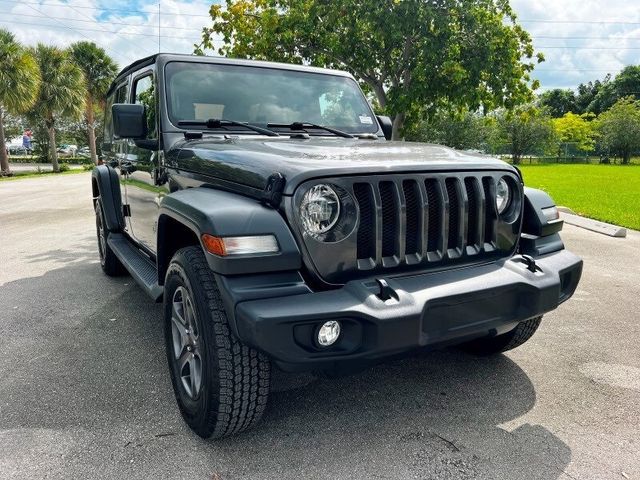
(387, 126)
(129, 121)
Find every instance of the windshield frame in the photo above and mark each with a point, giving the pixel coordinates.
(367, 129)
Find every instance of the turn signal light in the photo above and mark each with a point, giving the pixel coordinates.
(249, 245)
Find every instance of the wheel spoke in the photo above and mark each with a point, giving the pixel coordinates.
(180, 336)
(178, 310)
(195, 372)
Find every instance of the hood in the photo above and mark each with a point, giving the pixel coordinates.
(250, 161)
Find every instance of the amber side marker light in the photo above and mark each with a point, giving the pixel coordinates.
(250, 245)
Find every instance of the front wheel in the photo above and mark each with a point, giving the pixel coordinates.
(220, 384)
(507, 341)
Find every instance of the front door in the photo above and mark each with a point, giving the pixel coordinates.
(140, 168)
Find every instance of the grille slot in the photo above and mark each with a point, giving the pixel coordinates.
(473, 209)
(454, 212)
(436, 206)
(489, 187)
(390, 218)
(366, 230)
(412, 208)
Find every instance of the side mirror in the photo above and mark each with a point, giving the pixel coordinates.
(129, 121)
(387, 126)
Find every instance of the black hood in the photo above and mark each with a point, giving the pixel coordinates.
(250, 161)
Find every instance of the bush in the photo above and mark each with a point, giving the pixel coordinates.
(87, 167)
(64, 167)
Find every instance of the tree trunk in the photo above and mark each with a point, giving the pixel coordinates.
(626, 158)
(91, 131)
(398, 124)
(516, 159)
(52, 147)
(4, 159)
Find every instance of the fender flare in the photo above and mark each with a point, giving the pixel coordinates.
(105, 180)
(534, 221)
(225, 214)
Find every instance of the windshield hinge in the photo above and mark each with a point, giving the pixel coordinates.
(272, 193)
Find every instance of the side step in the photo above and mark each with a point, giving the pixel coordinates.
(141, 268)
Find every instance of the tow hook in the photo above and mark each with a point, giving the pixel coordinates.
(386, 292)
(530, 263)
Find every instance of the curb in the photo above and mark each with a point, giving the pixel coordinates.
(593, 225)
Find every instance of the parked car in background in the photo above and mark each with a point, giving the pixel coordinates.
(84, 152)
(69, 150)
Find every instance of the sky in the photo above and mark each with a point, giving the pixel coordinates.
(582, 40)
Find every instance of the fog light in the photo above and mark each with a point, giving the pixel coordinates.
(328, 333)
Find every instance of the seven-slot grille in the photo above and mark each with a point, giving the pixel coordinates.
(420, 219)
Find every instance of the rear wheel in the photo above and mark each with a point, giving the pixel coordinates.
(220, 384)
(507, 341)
(108, 260)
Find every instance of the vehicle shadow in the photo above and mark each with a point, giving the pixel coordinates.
(84, 365)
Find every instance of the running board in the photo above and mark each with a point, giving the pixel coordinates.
(141, 268)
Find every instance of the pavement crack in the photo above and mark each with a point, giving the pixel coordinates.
(453, 446)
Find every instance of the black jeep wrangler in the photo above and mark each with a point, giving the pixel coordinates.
(264, 206)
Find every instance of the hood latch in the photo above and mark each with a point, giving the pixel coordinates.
(272, 193)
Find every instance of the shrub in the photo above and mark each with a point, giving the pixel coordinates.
(64, 167)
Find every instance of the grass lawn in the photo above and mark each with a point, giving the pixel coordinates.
(19, 175)
(610, 193)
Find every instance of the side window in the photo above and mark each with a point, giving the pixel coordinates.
(119, 96)
(144, 94)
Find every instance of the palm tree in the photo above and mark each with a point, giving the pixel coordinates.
(19, 84)
(99, 70)
(62, 92)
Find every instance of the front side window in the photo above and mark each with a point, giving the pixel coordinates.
(144, 94)
(265, 96)
(119, 96)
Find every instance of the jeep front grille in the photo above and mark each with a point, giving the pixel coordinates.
(417, 222)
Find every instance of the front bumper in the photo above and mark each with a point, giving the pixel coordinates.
(436, 308)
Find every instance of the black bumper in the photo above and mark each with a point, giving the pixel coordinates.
(429, 309)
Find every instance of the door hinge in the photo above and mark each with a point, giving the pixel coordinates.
(126, 210)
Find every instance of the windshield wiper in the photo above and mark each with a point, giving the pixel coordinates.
(302, 125)
(221, 123)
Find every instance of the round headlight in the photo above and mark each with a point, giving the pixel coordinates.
(503, 195)
(319, 209)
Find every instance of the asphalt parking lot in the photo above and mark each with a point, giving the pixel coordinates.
(85, 392)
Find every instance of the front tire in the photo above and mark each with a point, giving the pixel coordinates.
(507, 341)
(220, 384)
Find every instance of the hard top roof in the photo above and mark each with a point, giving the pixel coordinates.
(168, 57)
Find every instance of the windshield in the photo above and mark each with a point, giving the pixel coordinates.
(265, 96)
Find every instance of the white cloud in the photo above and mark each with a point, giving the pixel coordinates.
(127, 30)
(582, 40)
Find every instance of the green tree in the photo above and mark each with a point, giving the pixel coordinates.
(19, 84)
(619, 128)
(414, 56)
(524, 130)
(576, 130)
(558, 102)
(99, 70)
(625, 84)
(62, 93)
(464, 131)
(587, 92)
